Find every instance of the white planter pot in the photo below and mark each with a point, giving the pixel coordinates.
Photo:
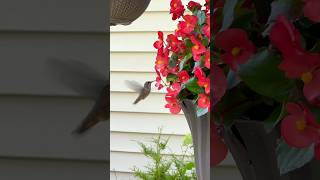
(200, 131)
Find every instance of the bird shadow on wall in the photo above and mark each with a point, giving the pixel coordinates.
(86, 81)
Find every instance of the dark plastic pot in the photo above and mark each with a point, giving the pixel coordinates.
(254, 151)
(200, 131)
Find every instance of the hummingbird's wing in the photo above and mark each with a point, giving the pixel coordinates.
(78, 76)
(134, 85)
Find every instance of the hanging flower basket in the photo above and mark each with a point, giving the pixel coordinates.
(126, 11)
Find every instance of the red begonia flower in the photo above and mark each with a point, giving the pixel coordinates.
(236, 45)
(162, 60)
(177, 9)
(299, 129)
(192, 6)
(206, 84)
(197, 49)
(312, 10)
(203, 81)
(199, 73)
(158, 79)
(174, 89)
(311, 89)
(207, 59)
(285, 37)
(188, 25)
(206, 28)
(172, 104)
(159, 43)
(305, 66)
(220, 84)
(175, 44)
(183, 76)
(218, 149)
(203, 101)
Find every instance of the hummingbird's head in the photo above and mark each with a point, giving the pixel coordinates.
(148, 83)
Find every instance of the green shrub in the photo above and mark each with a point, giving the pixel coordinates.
(167, 167)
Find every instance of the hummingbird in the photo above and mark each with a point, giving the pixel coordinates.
(143, 91)
(86, 81)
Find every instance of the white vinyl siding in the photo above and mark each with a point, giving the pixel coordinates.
(37, 112)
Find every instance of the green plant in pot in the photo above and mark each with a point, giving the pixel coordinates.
(266, 87)
(183, 68)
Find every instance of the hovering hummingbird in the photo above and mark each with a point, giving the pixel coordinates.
(87, 82)
(143, 91)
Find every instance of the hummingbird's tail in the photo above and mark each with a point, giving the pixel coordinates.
(85, 126)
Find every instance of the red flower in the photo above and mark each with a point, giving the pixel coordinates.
(206, 28)
(177, 9)
(158, 80)
(297, 63)
(188, 25)
(183, 76)
(203, 101)
(159, 43)
(238, 48)
(299, 129)
(285, 37)
(197, 49)
(312, 10)
(218, 149)
(192, 6)
(220, 83)
(175, 44)
(162, 60)
(203, 81)
(199, 73)
(172, 104)
(207, 59)
(305, 66)
(173, 90)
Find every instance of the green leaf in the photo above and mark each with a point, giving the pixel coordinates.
(290, 158)
(280, 7)
(262, 75)
(201, 111)
(275, 117)
(193, 86)
(263, 10)
(182, 63)
(201, 17)
(228, 13)
(244, 20)
(232, 79)
(187, 140)
(173, 60)
(188, 43)
(205, 41)
(171, 78)
(316, 112)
